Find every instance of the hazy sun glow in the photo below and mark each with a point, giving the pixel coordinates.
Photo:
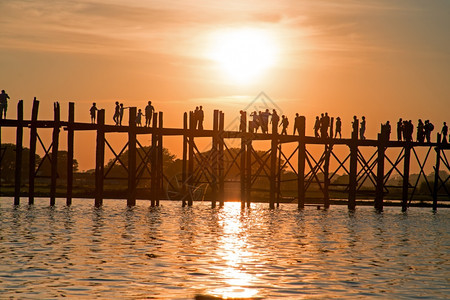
(243, 54)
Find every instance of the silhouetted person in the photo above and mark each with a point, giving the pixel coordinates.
(429, 127)
(149, 109)
(285, 124)
(338, 127)
(254, 124)
(408, 130)
(139, 118)
(362, 129)
(116, 116)
(195, 116)
(355, 125)
(386, 130)
(420, 131)
(200, 118)
(275, 119)
(444, 133)
(316, 127)
(265, 121)
(243, 120)
(325, 124)
(3, 104)
(297, 122)
(399, 129)
(121, 110)
(93, 112)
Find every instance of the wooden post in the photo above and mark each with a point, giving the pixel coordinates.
(379, 194)
(154, 162)
(100, 158)
(214, 155)
(243, 127)
(131, 199)
(221, 159)
(406, 165)
(190, 172)
(436, 171)
(326, 179)
(278, 182)
(353, 167)
(55, 149)
(273, 164)
(32, 158)
(248, 160)
(159, 174)
(70, 145)
(301, 164)
(19, 140)
(184, 162)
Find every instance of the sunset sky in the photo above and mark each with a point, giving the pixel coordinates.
(382, 59)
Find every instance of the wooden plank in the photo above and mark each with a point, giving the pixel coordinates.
(32, 157)
(326, 173)
(19, 141)
(55, 149)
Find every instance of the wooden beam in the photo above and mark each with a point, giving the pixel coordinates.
(154, 163)
(221, 159)
(273, 164)
(19, 140)
(301, 156)
(405, 185)
(100, 158)
(190, 172)
(379, 191)
(32, 157)
(131, 199)
(70, 148)
(184, 162)
(55, 149)
(353, 144)
(160, 160)
(436, 172)
(243, 129)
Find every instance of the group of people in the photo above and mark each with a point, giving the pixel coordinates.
(3, 104)
(405, 130)
(261, 120)
(198, 117)
(119, 110)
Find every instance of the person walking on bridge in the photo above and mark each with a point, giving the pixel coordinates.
(149, 110)
(3, 104)
(338, 128)
(362, 129)
(285, 124)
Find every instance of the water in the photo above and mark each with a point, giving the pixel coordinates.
(177, 253)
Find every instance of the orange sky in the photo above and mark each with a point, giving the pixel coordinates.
(381, 59)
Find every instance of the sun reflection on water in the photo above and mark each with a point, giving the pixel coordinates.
(233, 248)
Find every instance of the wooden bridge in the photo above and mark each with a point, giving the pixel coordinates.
(212, 167)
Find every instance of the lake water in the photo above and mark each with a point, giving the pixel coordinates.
(179, 253)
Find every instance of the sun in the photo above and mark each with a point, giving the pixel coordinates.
(243, 54)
